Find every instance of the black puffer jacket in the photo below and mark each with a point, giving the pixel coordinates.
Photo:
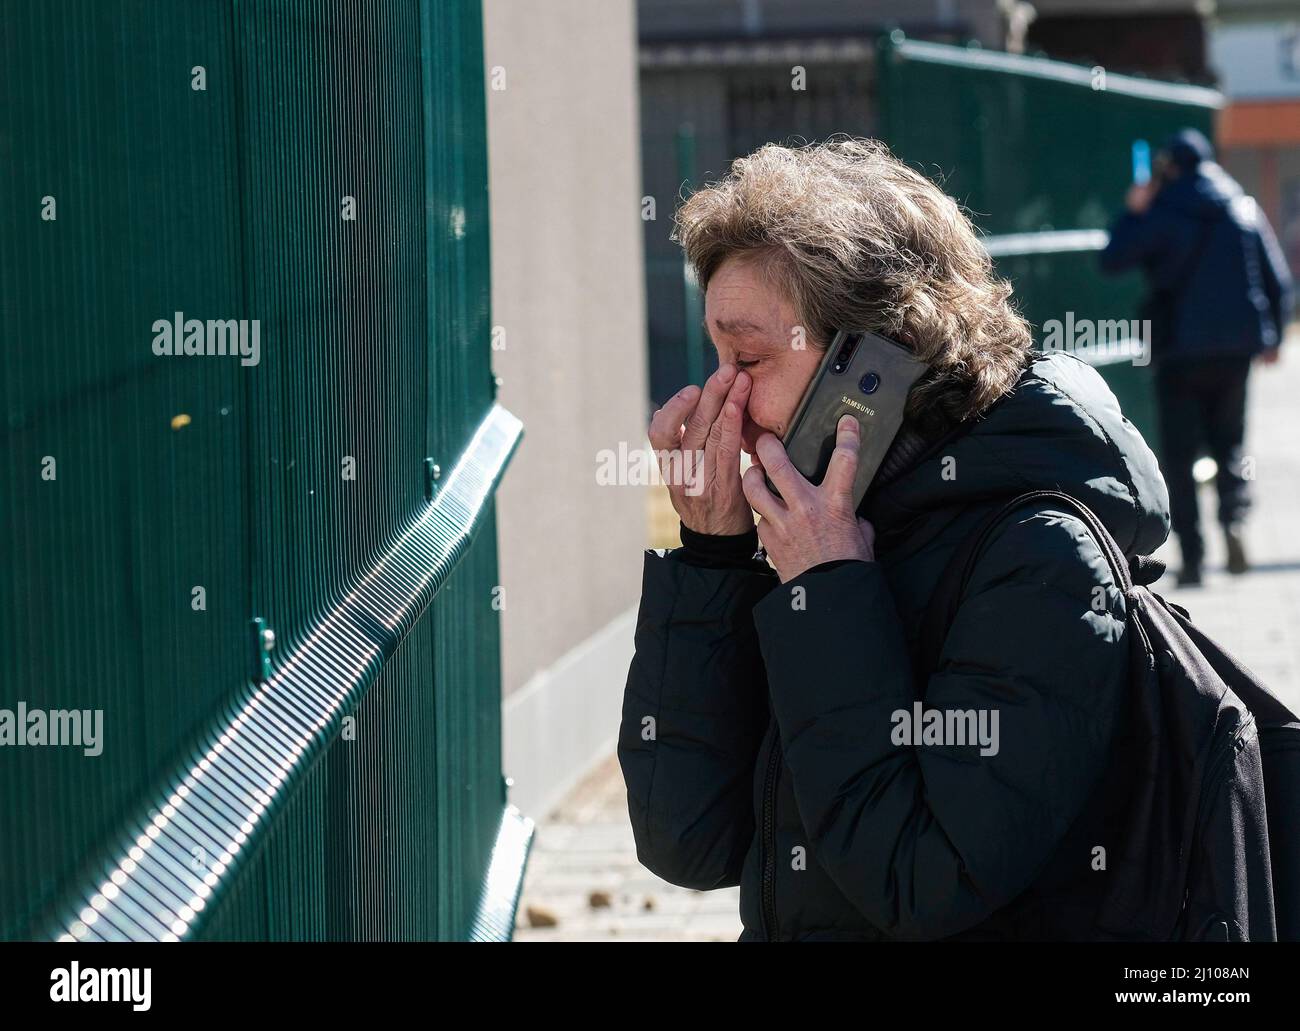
(758, 719)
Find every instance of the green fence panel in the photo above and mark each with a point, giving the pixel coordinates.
(310, 177)
(1040, 154)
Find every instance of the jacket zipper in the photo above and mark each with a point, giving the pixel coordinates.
(769, 838)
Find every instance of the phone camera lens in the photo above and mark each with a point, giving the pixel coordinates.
(845, 354)
(869, 383)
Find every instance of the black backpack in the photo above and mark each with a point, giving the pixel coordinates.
(1201, 797)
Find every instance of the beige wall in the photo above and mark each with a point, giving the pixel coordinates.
(567, 290)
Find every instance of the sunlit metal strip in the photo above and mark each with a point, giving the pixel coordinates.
(1047, 241)
(499, 899)
(177, 854)
(1059, 71)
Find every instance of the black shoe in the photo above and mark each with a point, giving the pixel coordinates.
(1237, 561)
(1189, 576)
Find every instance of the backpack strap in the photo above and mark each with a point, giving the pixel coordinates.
(952, 582)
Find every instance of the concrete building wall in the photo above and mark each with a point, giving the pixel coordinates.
(567, 293)
(1258, 131)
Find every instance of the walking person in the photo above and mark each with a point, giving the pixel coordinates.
(1219, 299)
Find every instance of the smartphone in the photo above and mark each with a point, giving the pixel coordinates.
(864, 375)
(1140, 157)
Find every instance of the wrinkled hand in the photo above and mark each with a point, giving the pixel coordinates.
(696, 436)
(809, 525)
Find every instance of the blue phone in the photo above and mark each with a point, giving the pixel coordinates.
(1141, 162)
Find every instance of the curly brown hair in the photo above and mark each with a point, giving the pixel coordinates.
(858, 240)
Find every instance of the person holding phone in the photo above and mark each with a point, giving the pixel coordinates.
(774, 734)
(1219, 298)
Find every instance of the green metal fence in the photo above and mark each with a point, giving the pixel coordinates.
(1040, 153)
(270, 573)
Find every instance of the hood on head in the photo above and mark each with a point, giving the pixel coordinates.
(1187, 148)
(1060, 428)
(1205, 193)
(1202, 188)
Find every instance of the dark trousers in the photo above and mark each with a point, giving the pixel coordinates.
(1202, 404)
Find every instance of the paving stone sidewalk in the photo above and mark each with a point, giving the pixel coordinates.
(1257, 617)
(584, 875)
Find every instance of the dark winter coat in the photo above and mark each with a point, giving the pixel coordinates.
(756, 739)
(1212, 245)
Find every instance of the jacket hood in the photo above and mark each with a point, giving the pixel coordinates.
(1187, 148)
(1201, 193)
(1059, 428)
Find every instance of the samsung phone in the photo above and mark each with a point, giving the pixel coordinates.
(863, 375)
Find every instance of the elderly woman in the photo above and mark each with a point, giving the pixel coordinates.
(760, 739)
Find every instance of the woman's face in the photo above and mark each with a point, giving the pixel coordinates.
(754, 327)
